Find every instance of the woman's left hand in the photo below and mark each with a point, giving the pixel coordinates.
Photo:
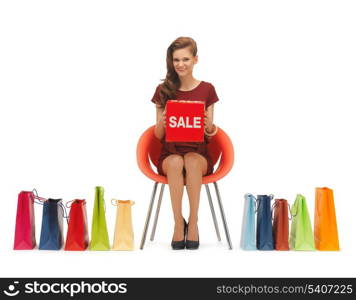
(208, 124)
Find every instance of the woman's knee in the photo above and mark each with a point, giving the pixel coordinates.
(173, 163)
(194, 162)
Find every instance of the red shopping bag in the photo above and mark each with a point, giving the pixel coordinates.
(25, 238)
(185, 121)
(281, 224)
(77, 234)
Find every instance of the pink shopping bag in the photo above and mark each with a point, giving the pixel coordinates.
(25, 221)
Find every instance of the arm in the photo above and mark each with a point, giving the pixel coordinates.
(160, 127)
(209, 127)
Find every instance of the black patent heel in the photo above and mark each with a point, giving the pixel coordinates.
(180, 245)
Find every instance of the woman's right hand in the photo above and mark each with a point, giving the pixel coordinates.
(160, 128)
(163, 119)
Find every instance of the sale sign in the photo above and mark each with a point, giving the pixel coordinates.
(185, 121)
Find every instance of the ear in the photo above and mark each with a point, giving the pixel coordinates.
(196, 59)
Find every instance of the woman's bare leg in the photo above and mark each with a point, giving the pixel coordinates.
(196, 167)
(173, 168)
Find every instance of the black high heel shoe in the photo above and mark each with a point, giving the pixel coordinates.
(192, 245)
(180, 245)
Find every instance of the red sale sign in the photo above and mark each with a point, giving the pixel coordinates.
(185, 121)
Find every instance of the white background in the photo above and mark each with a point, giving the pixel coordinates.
(76, 79)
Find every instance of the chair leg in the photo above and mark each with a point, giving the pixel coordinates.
(223, 215)
(213, 212)
(157, 212)
(148, 215)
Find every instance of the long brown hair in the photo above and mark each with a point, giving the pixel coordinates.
(170, 85)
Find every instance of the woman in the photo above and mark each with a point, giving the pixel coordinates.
(184, 162)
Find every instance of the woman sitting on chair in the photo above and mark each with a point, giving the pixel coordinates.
(184, 162)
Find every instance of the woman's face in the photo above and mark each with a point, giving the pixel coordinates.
(184, 61)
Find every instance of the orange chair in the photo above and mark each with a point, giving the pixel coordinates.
(149, 148)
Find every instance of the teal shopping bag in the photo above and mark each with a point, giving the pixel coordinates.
(248, 232)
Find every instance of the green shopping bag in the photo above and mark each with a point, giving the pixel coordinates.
(99, 231)
(301, 235)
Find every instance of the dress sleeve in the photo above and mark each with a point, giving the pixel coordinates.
(156, 98)
(212, 96)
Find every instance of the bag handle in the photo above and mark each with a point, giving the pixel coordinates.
(36, 197)
(65, 211)
(117, 202)
(290, 212)
(274, 208)
(65, 215)
(71, 202)
(41, 200)
(274, 205)
(295, 209)
(249, 195)
(271, 196)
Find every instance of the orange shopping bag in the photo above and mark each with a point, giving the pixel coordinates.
(325, 226)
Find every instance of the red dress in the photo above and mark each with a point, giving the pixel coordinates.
(205, 91)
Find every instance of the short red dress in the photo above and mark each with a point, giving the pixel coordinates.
(205, 91)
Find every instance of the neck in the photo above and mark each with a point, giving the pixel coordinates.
(187, 82)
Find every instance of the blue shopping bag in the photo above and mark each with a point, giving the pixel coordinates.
(248, 232)
(52, 225)
(264, 236)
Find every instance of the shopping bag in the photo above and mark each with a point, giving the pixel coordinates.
(124, 236)
(264, 235)
(301, 235)
(280, 224)
(52, 225)
(77, 234)
(25, 222)
(325, 226)
(99, 232)
(248, 232)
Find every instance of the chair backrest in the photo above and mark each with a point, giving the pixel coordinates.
(154, 146)
(215, 148)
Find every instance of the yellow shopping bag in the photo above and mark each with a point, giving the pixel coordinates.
(124, 236)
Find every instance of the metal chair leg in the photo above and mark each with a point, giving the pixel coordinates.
(213, 212)
(148, 215)
(157, 212)
(223, 215)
